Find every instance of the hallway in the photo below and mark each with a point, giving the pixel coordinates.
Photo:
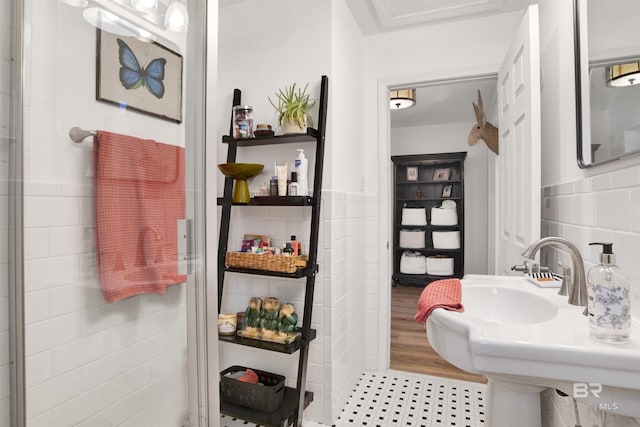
(410, 349)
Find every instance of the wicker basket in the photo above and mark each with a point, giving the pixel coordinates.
(278, 263)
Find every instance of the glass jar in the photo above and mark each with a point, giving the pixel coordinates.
(227, 323)
(242, 121)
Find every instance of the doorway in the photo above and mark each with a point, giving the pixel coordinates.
(440, 122)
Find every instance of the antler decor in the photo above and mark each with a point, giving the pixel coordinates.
(483, 129)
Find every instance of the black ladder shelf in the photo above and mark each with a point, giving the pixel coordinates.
(295, 399)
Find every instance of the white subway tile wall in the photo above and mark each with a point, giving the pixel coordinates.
(337, 356)
(5, 134)
(88, 362)
(601, 208)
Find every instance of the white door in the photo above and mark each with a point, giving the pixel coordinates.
(518, 165)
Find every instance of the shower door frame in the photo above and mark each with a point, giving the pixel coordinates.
(17, 387)
(202, 381)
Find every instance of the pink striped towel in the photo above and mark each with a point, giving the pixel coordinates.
(138, 198)
(446, 293)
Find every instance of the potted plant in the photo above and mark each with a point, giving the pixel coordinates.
(293, 107)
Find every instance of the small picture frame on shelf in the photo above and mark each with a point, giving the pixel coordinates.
(441, 174)
(446, 191)
(412, 173)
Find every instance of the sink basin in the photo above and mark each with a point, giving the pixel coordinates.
(525, 339)
(498, 304)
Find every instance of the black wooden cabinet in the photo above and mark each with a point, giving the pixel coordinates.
(424, 181)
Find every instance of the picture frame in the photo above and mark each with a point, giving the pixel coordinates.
(446, 191)
(140, 76)
(412, 173)
(441, 174)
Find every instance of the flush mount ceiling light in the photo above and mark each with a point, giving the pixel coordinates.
(621, 75)
(400, 99)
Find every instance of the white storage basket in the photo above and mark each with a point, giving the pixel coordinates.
(412, 239)
(440, 265)
(414, 216)
(446, 239)
(444, 216)
(412, 263)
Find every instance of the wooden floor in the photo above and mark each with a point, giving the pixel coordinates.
(410, 349)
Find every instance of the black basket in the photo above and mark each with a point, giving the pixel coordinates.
(267, 397)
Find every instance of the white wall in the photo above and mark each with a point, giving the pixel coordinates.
(435, 52)
(298, 41)
(88, 362)
(447, 139)
(270, 50)
(597, 204)
(353, 225)
(5, 135)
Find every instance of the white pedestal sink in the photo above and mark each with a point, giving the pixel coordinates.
(525, 338)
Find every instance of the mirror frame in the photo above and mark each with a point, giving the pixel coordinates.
(581, 64)
(578, 55)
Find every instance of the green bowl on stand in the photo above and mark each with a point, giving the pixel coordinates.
(241, 172)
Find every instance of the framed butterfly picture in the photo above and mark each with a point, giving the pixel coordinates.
(140, 76)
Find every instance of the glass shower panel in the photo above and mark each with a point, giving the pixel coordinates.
(5, 139)
(90, 362)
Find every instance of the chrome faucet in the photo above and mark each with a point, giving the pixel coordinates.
(578, 293)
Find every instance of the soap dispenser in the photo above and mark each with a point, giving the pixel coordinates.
(609, 305)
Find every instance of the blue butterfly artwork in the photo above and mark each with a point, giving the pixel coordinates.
(133, 75)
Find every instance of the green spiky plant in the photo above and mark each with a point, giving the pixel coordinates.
(294, 105)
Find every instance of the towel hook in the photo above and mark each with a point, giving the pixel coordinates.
(78, 135)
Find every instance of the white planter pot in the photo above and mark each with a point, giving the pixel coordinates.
(291, 127)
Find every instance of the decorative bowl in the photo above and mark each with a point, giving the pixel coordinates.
(241, 172)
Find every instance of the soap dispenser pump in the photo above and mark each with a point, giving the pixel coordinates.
(609, 305)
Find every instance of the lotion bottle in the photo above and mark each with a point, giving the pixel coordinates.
(301, 166)
(609, 305)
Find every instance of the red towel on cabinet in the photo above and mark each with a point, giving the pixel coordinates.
(446, 293)
(138, 198)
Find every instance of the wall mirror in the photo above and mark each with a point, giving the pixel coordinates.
(607, 80)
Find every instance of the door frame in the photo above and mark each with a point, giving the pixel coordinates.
(385, 182)
(17, 373)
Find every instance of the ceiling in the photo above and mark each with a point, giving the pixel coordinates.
(377, 16)
(444, 103)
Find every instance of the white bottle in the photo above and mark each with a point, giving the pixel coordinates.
(301, 164)
(609, 306)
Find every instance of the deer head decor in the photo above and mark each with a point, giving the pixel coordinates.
(483, 129)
